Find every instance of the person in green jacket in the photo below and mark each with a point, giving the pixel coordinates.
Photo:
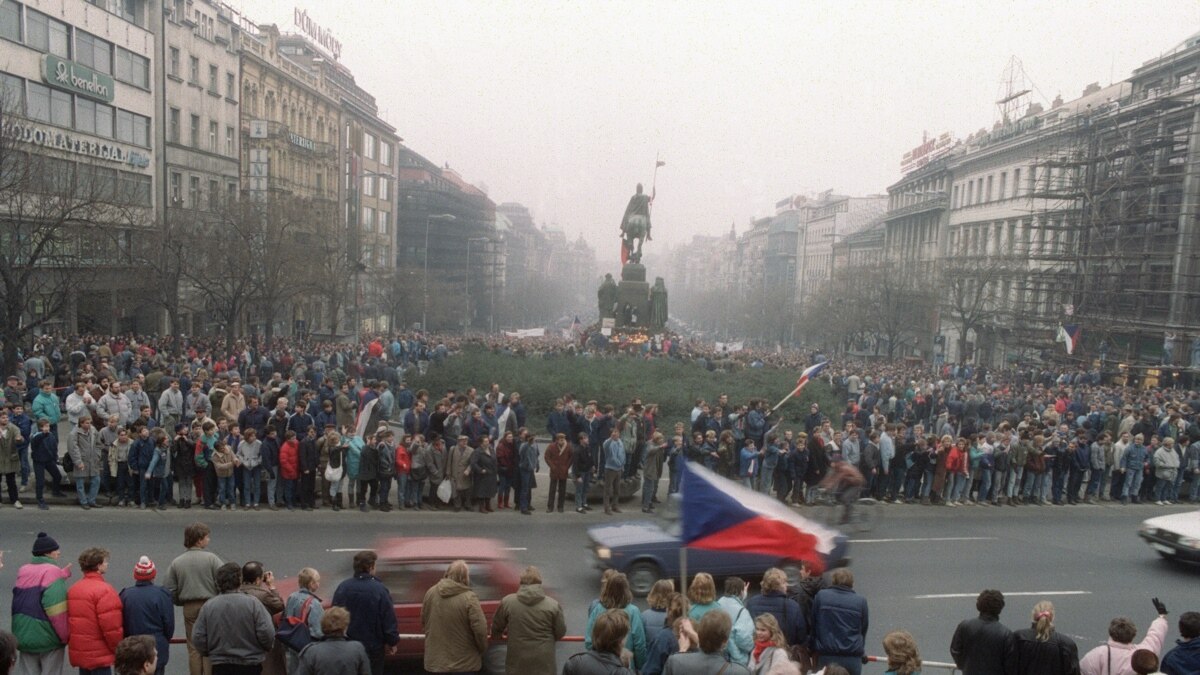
(615, 594)
(39, 611)
(46, 404)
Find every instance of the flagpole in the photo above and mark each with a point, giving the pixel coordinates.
(787, 398)
(683, 569)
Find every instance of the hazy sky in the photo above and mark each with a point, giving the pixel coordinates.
(563, 105)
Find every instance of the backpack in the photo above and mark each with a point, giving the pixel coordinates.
(293, 630)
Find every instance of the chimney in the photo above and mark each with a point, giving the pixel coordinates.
(1091, 88)
(1057, 102)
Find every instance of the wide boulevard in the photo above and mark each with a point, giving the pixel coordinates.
(920, 571)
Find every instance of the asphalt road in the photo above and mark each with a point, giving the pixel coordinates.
(920, 572)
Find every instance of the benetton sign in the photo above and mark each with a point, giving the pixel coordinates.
(316, 32)
(64, 74)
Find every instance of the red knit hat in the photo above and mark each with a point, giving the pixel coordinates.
(144, 570)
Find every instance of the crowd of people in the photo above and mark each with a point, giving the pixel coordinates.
(237, 623)
(305, 426)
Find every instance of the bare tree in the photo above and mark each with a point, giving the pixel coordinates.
(331, 274)
(224, 265)
(49, 208)
(894, 308)
(968, 295)
(288, 229)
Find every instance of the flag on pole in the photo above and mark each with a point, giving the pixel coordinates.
(1068, 335)
(809, 373)
(576, 326)
(659, 163)
(720, 515)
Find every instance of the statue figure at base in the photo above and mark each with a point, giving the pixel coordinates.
(658, 304)
(635, 226)
(607, 297)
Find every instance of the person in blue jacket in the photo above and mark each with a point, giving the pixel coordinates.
(372, 615)
(839, 624)
(147, 609)
(1185, 658)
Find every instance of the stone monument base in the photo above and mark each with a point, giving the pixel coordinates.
(633, 297)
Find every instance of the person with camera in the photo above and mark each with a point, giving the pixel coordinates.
(1113, 657)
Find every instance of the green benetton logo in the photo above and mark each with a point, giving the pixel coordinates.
(64, 74)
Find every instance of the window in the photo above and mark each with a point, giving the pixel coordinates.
(133, 69)
(369, 186)
(970, 192)
(93, 52)
(231, 192)
(93, 118)
(194, 70)
(60, 108)
(385, 154)
(133, 188)
(1016, 182)
(173, 126)
(230, 86)
(10, 21)
(368, 146)
(47, 35)
(368, 219)
(214, 79)
(229, 142)
(384, 187)
(214, 194)
(194, 135)
(38, 102)
(955, 196)
(12, 92)
(194, 191)
(176, 187)
(213, 135)
(173, 62)
(133, 128)
(989, 190)
(384, 225)
(1003, 185)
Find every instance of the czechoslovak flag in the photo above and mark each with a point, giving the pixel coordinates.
(809, 373)
(1068, 335)
(720, 515)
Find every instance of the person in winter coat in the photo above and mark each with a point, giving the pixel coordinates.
(770, 648)
(741, 635)
(1166, 468)
(386, 470)
(458, 471)
(310, 462)
(224, 461)
(233, 629)
(46, 405)
(183, 465)
(140, 454)
(713, 631)
(304, 601)
(454, 624)
(85, 455)
(333, 653)
(94, 610)
(372, 615)
(368, 476)
(979, 644)
(39, 610)
(289, 468)
(506, 469)
(483, 475)
(1185, 657)
(606, 640)
(534, 623)
(43, 452)
(10, 457)
(558, 458)
(1041, 650)
(839, 623)
(147, 610)
(269, 452)
(1113, 657)
(249, 456)
(527, 467)
(773, 600)
(615, 594)
(156, 474)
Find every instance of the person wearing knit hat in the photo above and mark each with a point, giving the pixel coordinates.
(149, 610)
(44, 545)
(40, 619)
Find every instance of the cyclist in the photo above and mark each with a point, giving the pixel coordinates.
(844, 482)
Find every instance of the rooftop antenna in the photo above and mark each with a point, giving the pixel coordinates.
(1013, 95)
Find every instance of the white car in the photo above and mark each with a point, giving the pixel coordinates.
(1175, 537)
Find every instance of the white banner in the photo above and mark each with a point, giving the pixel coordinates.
(526, 333)
(730, 346)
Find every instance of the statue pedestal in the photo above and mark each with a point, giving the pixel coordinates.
(633, 297)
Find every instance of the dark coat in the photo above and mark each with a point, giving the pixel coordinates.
(1182, 659)
(372, 615)
(839, 622)
(483, 474)
(979, 645)
(787, 612)
(1027, 656)
(147, 610)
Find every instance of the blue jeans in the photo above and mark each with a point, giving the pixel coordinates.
(676, 472)
(1132, 484)
(251, 483)
(927, 485)
(289, 492)
(1162, 489)
(146, 490)
(385, 489)
(1195, 486)
(962, 484)
(505, 485)
(124, 482)
(401, 488)
(525, 491)
(88, 495)
(225, 490)
(273, 488)
(1059, 484)
(1015, 474)
(24, 453)
(1094, 481)
(164, 490)
(1033, 485)
(413, 496)
(581, 489)
(766, 479)
(985, 485)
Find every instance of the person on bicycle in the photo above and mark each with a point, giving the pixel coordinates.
(844, 482)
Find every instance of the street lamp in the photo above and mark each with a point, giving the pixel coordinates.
(467, 277)
(359, 265)
(445, 217)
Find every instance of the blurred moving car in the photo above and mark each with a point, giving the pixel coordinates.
(1174, 537)
(647, 551)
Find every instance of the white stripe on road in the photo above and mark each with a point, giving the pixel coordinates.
(947, 596)
(894, 541)
(515, 548)
(344, 550)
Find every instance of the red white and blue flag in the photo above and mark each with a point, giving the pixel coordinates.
(720, 515)
(1069, 335)
(809, 373)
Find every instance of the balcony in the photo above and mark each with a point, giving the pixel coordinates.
(939, 202)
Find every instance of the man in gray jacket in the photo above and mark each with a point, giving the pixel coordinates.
(233, 629)
(333, 653)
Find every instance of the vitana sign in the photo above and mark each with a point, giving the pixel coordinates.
(76, 145)
(78, 79)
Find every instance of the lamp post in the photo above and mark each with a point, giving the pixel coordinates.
(468, 278)
(447, 217)
(359, 265)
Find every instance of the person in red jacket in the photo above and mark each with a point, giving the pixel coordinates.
(94, 615)
(289, 468)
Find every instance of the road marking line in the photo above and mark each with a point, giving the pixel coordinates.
(948, 596)
(893, 541)
(344, 550)
(514, 548)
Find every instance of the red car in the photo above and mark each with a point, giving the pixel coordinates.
(411, 566)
